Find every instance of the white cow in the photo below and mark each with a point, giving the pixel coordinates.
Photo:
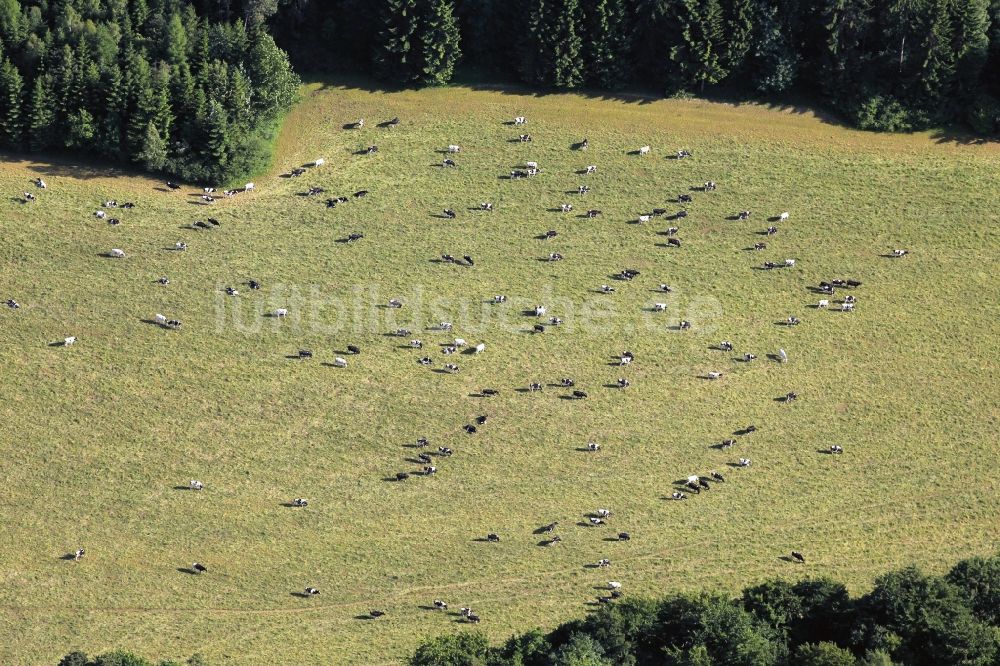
(531, 165)
(480, 348)
(248, 187)
(160, 319)
(783, 216)
(614, 585)
(643, 218)
(715, 375)
(459, 342)
(644, 150)
(281, 312)
(453, 148)
(70, 341)
(100, 214)
(659, 307)
(789, 263)
(116, 253)
(539, 310)
(339, 362)
(319, 162)
(823, 303)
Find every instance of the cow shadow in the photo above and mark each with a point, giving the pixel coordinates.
(441, 217)
(774, 218)
(733, 218)
(350, 126)
(786, 558)
(68, 556)
(300, 595)
(58, 343)
(162, 189)
(546, 542)
(187, 570)
(364, 617)
(182, 487)
(774, 357)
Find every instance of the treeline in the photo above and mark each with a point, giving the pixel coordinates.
(909, 618)
(123, 658)
(150, 82)
(894, 65)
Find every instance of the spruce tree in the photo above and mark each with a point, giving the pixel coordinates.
(971, 43)
(938, 69)
(394, 58)
(739, 27)
(561, 45)
(41, 123)
(153, 153)
(11, 105)
(698, 53)
(439, 42)
(608, 43)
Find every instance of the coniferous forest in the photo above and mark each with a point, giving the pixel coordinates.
(195, 88)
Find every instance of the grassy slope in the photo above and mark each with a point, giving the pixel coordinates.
(95, 437)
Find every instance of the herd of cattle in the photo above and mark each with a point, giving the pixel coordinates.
(692, 484)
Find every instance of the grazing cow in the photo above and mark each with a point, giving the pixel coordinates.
(672, 230)
(836, 449)
(555, 256)
(749, 357)
(195, 484)
(760, 246)
(207, 199)
(674, 242)
(454, 148)
(681, 154)
(232, 291)
(480, 348)
(605, 600)
(583, 189)
(426, 360)
(490, 392)
(493, 537)
(744, 462)
(311, 591)
(783, 216)
(665, 287)
(340, 362)
(360, 123)
(603, 513)
(531, 165)
(440, 605)
(12, 304)
(715, 475)
(254, 284)
(524, 138)
(70, 341)
(772, 230)
(566, 208)
(499, 298)
(402, 332)
(625, 360)
(727, 443)
(459, 342)
(624, 383)
(684, 325)
(850, 299)
(424, 458)
(607, 289)
(643, 218)
(591, 168)
(173, 186)
(300, 502)
(749, 429)
(798, 556)
(551, 233)
(40, 184)
(603, 563)
(376, 613)
(726, 345)
(281, 312)
(173, 323)
(200, 568)
(78, 554)
(644, 150)
(429, 469)
(823, 303)
(593, 446)
(624, 536)
(486, 205)
(393, 123)
(482, 419)
(684, 198)
(449, 213)
(372, 149)
(520, 120)
(116, 253)
(743, 215)
(28, 196)
(555, 321)
(469, 428)
(783, 355)
(468, 260)
(395, 303)
(793, 321)
(789, 263)
(579, 395)
(593, 213)
(677, 495)
(709, 186)
(847, 307)
(659, 307)
(596, 521)
(451, 367)
(900, 253)
(305, 353)
(768, 265)
(449, 163)
(180, 246)
(614, 585)
(538, 328)
(360, 194)
(402, 476)
(445, 325)
(715, 375)
(100, 214)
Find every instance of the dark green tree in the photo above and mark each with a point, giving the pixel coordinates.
(11, 105)
(978, 580)
(394, 58)
(41, 121)
(699, 48)
(466, 648)
(823, 654)
(438, 40)
(608, 43)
